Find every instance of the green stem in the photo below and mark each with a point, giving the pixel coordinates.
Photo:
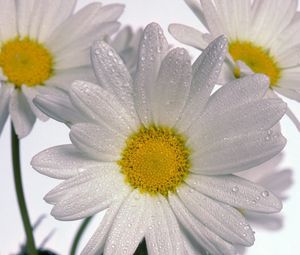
(142, 249)
(30, 245)
(79, 233)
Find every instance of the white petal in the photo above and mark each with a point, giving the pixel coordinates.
(64, 78)
(237, 153)
(101, 106)
(237, 192)
(129, 226)
(8, 23)
(87, 193)
(188, 35)
(58, 106)
(57, 12)
(5, 93)
(112, 74)
(206, 70)
(289, 93)
(200, 234)
(21, 114)
(196, 7)
(215, 24)
(223, 220)
(257, 115)
(163, 235)
(172, 89)
(82, 23)
(30, 94)
(61, 162)
(152, 50)
(24, 14)
(98, 141)
(238, 92)
(96, 243)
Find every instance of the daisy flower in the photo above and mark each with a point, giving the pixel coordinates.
(263, 38)
(159, 151)
(44, 46)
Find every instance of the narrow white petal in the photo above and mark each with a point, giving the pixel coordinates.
(129, 226)
(237, 192)
(8, 23)
(98, 141)
(214, 22)
(101, 106)
(64, 78)
(87, 193)
(188, 35)
(172, 89)
(5, 94)
(96, 243)
(21, 114)
(206, 70)
(196, 7)
(163, 235)
(225, 221)
(257, 115)
(61, 162)
(289, 93)
(152, 50)
(24, 14)
(57, 12)
(58, 106)
(238, 92)
(82, 23)
(204, 239)
(237, 153)
(112, 74)
(30, 94)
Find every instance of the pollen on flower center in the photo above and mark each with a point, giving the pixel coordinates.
(25, 61)
(155, 160)
(257, 58)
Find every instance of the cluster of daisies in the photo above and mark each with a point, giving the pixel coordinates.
(153, 141)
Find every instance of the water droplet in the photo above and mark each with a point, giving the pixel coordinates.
(253, 202)
(97, 51)
(235, 189)
(110, 53)
(265, 193)
(244, 235)
(247, 227)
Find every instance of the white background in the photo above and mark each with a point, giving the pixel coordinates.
(137, 13)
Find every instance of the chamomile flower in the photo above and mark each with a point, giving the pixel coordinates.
(159, 151)
(263, 38)
(44, 46)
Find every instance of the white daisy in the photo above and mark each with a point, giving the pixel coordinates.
(263, 38)
(159, 152)
(44, 46)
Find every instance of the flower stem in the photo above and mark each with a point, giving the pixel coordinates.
(142, 249)
(30, 245)
(79, 233)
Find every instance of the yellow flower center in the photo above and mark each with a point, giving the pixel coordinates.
(25, 61)
(257, 58)
(155, 160)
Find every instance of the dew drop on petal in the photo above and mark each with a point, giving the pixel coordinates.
(265, 193)
(235, 189)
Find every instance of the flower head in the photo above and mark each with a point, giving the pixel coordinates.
(159, 151)
(44, 46)
(263, 38)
